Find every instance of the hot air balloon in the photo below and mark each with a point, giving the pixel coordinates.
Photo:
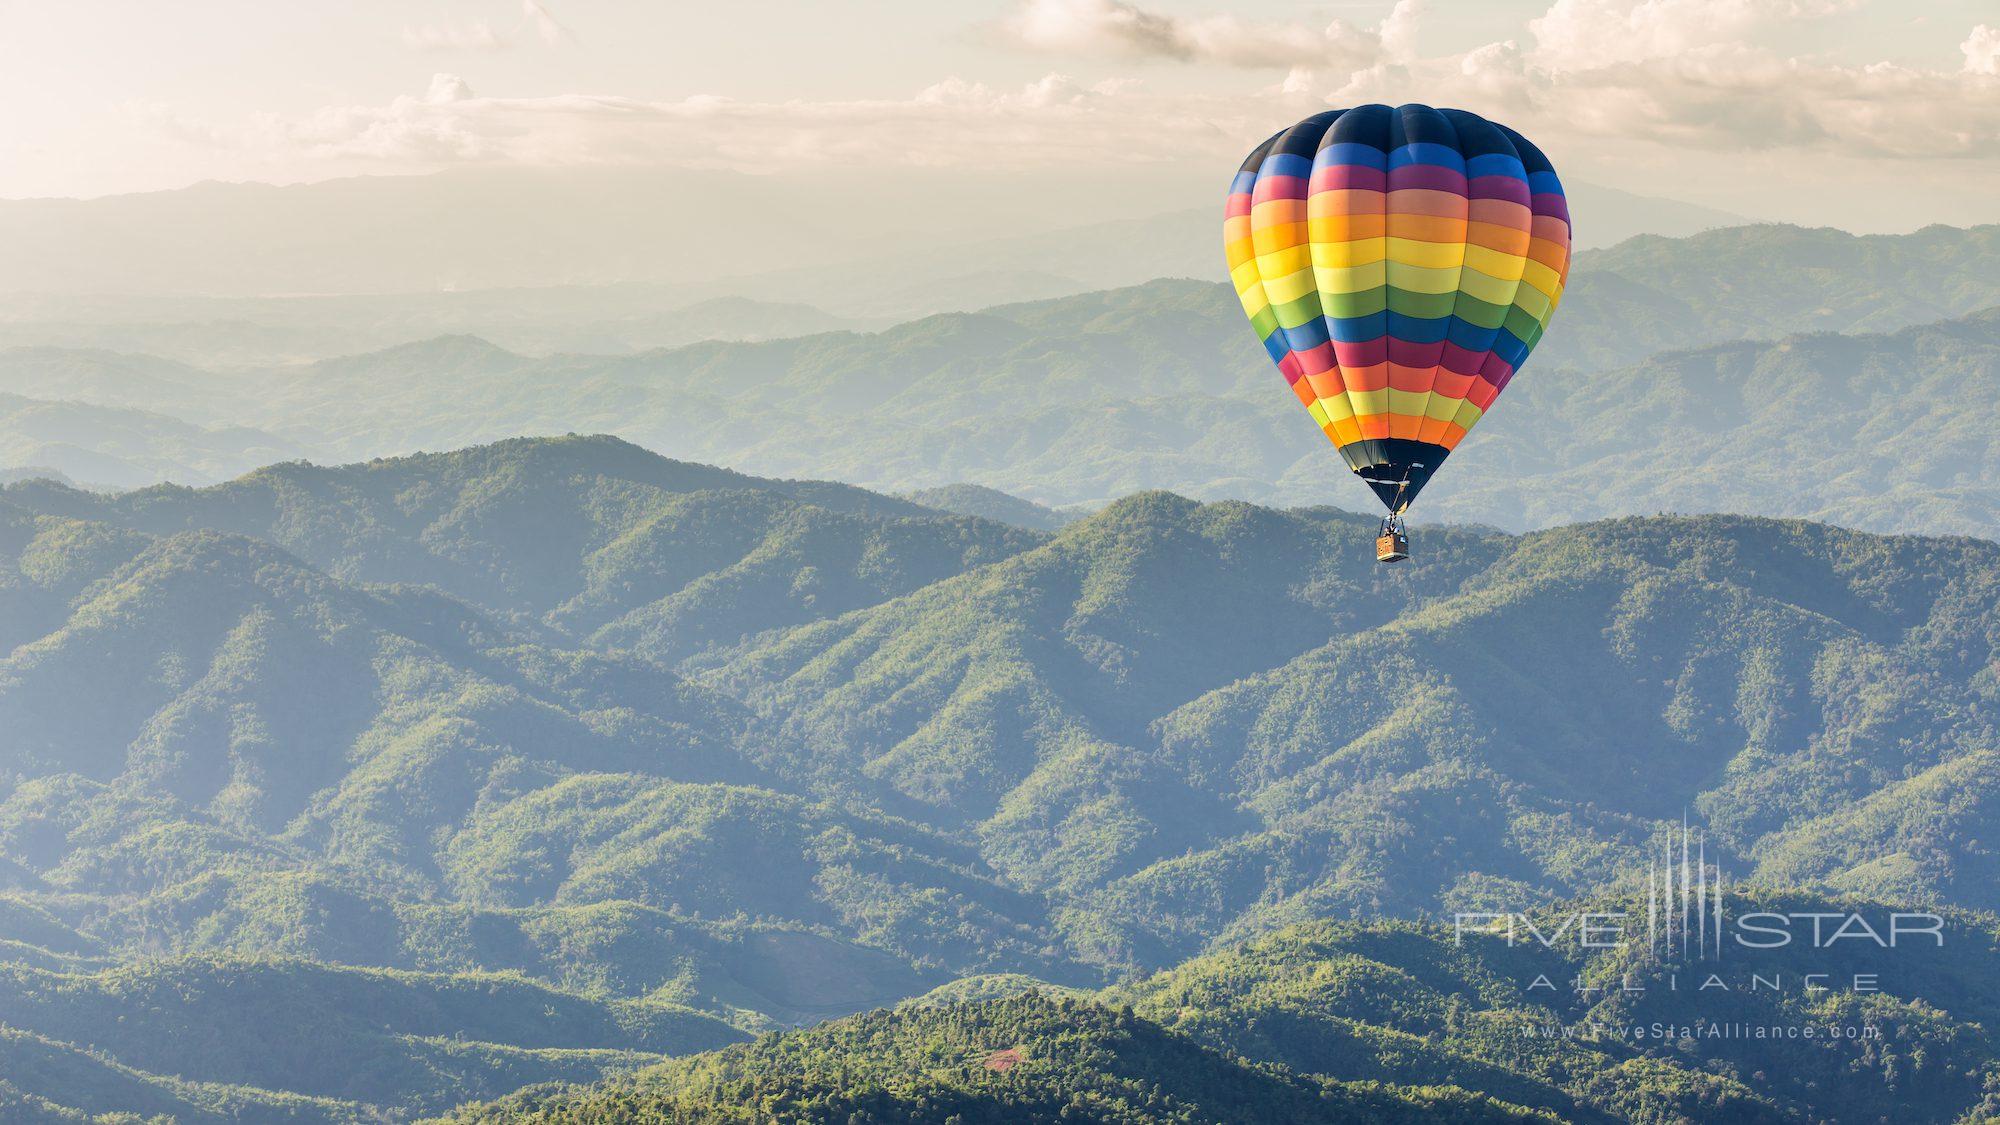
(1399, 264)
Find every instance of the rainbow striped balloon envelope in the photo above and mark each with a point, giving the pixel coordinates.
(1399, 264)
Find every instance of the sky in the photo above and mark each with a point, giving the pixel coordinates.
(1873, 115)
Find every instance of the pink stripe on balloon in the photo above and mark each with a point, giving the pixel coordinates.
(1280, 187)
(1337, 177)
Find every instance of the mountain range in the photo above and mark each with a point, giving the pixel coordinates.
(651, 757)
(1825, 376)
(855, 243)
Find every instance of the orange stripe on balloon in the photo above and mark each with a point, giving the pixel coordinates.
(1427, 228)
(1371, 378)
(1326, 384)
(1507, 240)
(1406, 378)
(1347, 228)
(1451, 384)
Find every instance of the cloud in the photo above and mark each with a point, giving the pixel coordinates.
(1680, 72)
(447, 88)
(1116, 29)
(1659, 77)
(535, 15)
(1590, 34)
(1053, 121)
(481, 36)
(1982, 50)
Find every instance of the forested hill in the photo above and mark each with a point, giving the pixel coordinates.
(688, 754)
(1378, 1022)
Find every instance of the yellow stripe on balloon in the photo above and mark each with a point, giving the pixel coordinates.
(1493, 263)
(1411, 403)
(1287, 287)
(1335, 254)
(1542, 278)
(1368, 402)
(1431, 255)
(1352, 279)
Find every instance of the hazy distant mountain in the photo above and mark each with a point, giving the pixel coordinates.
(264, 331)
(992, 504)
(35, 472)
(486, 228)
(1607, 216)
(861, 246)
(123, 448)
(1038, 400)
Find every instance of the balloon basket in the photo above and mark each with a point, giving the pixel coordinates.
(1392, 543)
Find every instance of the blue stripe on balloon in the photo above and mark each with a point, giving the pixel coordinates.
(1418, 330)
(1544, 183)
(1286, 164)
(1423, 153)
(1496, 164)
(1306, 336)
(1510, 349)
(1471, 336)
(1348, 152)
(1359, 329)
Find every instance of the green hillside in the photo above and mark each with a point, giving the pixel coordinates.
(342, 1043)
(1078, 1061)
(1384, 1022)
(1411, 1004)
(520, 741)
(586, 534)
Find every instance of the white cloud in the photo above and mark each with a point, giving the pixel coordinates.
(1121, 30)
(1982, 50)
(1680, 72)
(447, 88)
(481, 36)
(1590, 34)
(1679, 86)
(535, 15)
(1049, 122)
